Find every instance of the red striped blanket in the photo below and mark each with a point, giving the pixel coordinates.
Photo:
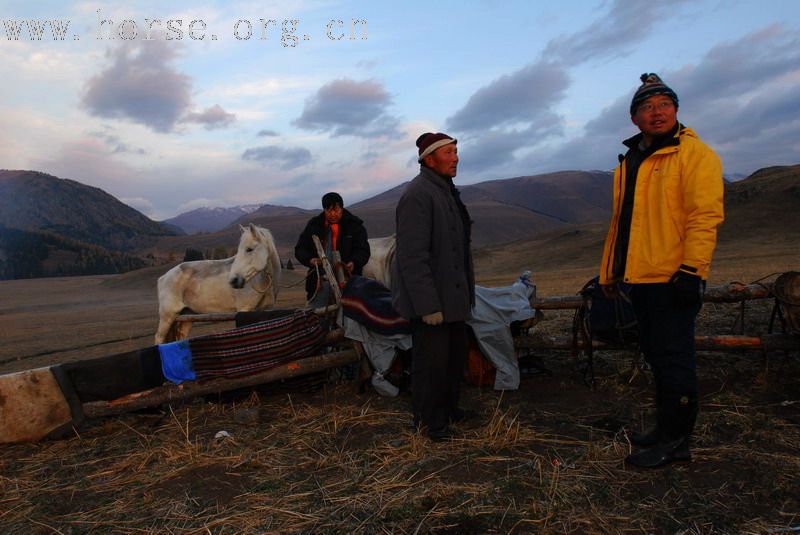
(248, 350)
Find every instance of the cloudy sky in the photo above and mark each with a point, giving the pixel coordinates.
(174, 105)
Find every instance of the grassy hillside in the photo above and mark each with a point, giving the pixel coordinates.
(30, 200)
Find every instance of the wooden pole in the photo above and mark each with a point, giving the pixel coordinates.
(735, 292)
(726, 293)
(172, 392)
(337, 293)
(539, 341)
(766, 342)
(558, 303)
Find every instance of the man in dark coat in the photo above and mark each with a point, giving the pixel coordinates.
(434, 284)
(338, 230)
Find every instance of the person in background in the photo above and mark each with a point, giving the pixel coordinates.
(668, 204)
(338, 230)
(434, 284)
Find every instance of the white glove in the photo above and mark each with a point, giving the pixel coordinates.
(433, 319)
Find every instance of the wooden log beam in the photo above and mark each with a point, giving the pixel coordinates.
(766, 342)
(190, 389)
(726, 293)
(733, 292)
(727, 342)
(539, 341)
(557, 303)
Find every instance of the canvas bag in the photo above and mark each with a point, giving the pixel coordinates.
(612, 321)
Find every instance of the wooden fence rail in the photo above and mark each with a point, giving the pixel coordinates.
(726, 293)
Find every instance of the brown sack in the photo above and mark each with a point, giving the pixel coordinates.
(31, 406)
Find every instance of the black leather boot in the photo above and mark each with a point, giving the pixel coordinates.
(440, 435)
(652, 436)
(676, 418)
(462, 415)
(646, 438)
(662, 454)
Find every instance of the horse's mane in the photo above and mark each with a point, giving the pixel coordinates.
(264, 233)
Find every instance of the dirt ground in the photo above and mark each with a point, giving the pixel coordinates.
(323, 457)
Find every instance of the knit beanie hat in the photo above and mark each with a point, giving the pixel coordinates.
(429, 142)
(651, 85)
(331, 198)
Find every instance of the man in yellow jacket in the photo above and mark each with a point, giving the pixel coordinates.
(668, 193)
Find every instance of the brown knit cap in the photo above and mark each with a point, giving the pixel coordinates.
(429, 142)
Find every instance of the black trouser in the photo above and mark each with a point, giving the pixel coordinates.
(439, 356)
(666, 337)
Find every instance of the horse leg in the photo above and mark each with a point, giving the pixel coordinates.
(181, 329)
(165, 330)
(170, 330)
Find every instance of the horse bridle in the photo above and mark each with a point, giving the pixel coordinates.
(267, 286)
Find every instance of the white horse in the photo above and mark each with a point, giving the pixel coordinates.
(247, 281)
(381, 257)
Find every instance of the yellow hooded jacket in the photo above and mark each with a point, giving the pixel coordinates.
(677, 208)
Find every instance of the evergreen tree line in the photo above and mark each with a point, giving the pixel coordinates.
(28, 254)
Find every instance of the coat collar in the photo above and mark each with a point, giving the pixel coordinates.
(429, 174)
(671, 139)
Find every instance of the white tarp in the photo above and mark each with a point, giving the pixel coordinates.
(495, 309)
(380, 349)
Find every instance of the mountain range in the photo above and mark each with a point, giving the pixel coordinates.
(531, 192)
(209, 218)
(563, 197)
(524, 210)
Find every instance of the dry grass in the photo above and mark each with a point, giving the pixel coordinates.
(547, 458)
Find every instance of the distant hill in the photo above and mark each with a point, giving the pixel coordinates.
(51, 226)
(762, 218)
(503, 211)
(35, 201)
(271, 210)
(568, 196)
(765, 204)
(513, 208)
(209, 219)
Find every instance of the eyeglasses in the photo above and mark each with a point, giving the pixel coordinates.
(661, 106)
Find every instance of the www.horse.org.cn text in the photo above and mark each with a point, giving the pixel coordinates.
(285, 31)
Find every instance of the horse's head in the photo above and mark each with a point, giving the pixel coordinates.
(252, 256)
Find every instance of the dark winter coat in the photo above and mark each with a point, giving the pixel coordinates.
(432, 269)
(352, 244)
